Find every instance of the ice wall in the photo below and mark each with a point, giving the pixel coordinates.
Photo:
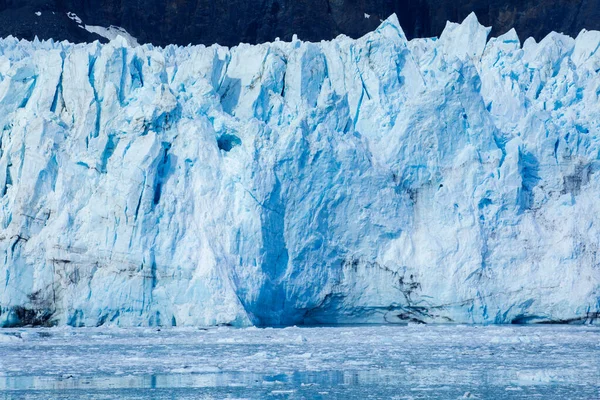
(371, 180)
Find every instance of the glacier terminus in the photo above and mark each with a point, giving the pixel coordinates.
(378, 180)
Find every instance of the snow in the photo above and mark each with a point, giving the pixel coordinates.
(419, 361)
(74, 17)
(38, 13)
(450, 179)
(112, 32)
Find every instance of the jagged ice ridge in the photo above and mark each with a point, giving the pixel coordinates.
(371, 180)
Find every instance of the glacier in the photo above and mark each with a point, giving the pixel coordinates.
(377, 180)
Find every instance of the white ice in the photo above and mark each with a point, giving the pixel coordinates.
(450, 179)
(112, 32)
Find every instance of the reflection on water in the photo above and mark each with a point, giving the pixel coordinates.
(367, 362)
(347, 384)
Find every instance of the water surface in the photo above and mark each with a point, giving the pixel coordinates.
(402, 362)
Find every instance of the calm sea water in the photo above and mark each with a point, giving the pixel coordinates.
(379, 362)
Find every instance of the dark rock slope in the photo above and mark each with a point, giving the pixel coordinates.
(232, 21)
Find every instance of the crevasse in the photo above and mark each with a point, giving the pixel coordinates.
(371, 180)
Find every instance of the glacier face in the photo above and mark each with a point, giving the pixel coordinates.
(371, 180)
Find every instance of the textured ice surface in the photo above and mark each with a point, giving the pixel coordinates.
(390, 362)
(371, 180)
(111, 33)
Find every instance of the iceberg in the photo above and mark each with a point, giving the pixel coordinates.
(377, 180)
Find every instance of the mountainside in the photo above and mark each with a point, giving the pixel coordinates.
(229, 22)
(371, 180)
